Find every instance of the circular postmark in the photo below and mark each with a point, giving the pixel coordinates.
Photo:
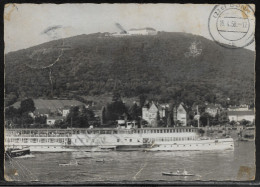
(232, 25)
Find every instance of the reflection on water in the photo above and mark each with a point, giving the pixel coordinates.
(136, 166)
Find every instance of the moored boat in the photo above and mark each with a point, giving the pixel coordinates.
(16, 152)
(107, 139)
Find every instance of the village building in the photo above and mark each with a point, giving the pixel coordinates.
(65, 111)
(40, 112)
(212, 110)
(239, 108)
(150, 114)
(237, 116)
(51, 120)
(180, 115)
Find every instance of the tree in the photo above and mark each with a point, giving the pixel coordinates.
(27, 105)
(142, 99)
(11, 112)
(114, 110)
(245, 122)
(205, 119)
(134, 112)
(116, 97)
(40, 119)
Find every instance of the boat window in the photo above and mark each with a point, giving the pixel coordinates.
(118, 140)
(158, 131)
(130, 140)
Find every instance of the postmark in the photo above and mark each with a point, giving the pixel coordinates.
(232, 25)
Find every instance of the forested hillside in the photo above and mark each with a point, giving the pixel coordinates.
(153, 65)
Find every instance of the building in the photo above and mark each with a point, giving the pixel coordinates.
(236, 116)
(65, 111)
(180, 115)
(212, 110)
(239, 108)
(132, 32)
(51, 120)
(150, 114)
(40, 112)
(143, 31)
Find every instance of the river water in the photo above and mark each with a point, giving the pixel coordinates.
(136, 166)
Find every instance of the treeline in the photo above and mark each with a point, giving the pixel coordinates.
(21, 118)
(152, 65)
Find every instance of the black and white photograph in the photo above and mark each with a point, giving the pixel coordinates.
(129, 92)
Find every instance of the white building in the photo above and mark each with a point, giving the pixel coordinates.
(143, 31)
(239, 108)
(131, 32)
(181, 115)
(241, 115)
(65, 111)
(51, 120)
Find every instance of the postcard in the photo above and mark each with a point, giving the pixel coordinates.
(129, 92)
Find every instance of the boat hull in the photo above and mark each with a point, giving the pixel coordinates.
(199, 145)
(17, 152)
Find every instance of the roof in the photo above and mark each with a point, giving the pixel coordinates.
(55, 118)
(146, 28)
(42, 111)
(211, 106)
(52, 104)
(241, 113)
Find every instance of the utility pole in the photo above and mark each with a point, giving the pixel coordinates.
(198, 117)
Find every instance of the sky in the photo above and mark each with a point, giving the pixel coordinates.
(27, 25)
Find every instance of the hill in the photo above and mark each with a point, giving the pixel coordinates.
(154, 65)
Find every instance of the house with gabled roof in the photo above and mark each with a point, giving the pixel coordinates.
(180, 115)
(150, 113)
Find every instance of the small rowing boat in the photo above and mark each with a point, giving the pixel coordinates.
(185, 173)
(70, 164)
(100, 160)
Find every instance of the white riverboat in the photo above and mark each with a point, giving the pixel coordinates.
(106, 139)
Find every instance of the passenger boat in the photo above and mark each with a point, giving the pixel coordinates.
(104, 139)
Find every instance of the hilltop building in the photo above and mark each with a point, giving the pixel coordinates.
(132, 32)
(143, 31)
